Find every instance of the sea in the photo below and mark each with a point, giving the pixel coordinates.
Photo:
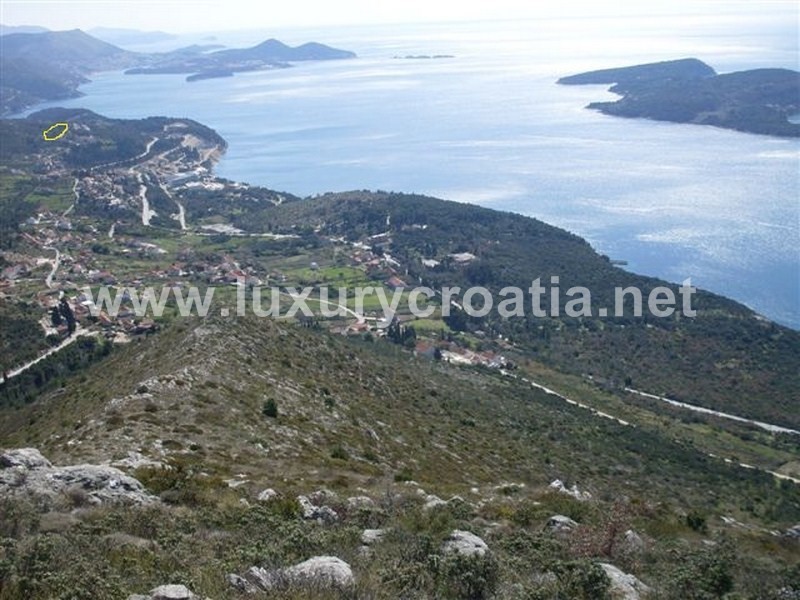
(489, 125)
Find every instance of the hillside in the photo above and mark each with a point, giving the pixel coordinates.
(713, 359)
(224, 452)
(51, 65)
(689, 91)
(360, 419)
(9, 29)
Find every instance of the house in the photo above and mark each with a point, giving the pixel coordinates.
(396, 283)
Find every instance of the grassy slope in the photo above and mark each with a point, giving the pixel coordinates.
(356, 417)
(725, 358)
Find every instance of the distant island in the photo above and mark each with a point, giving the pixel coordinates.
(51, 65)
(690, 91)
(224, 63)
(210, 74)
(423, 56)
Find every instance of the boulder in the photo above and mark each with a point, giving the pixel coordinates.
(171, 592)
(27, 472)
(633, 541)
(372, 536)
(623, 585)
(560, 524)
(167, 592)
(319, 571)
(360, 502)
(432, 501)
(241, 584)
(24, 458)
(559, 486)
(322, 495)
(465, 543)
(321, 514)
(267, 495)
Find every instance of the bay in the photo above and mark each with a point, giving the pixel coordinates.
(490, 126)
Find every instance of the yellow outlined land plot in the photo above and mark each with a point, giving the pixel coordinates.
(55, 132)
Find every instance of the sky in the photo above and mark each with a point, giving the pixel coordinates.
(184, 16)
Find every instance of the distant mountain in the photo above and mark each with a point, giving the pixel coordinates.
(9, 29)
(71, 49)
(689, 91)
(124, 37)
(266, 55)
(51, 65)
(276, 51)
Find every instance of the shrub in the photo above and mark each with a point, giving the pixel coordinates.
(473, 577)
(403, 474)
(702, 573)
(339, 453)
(696, 522)
(582, 580)
(270, 409)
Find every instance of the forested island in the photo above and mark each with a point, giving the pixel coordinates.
(690, 91)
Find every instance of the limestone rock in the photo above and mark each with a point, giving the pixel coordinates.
(561, 524)
(321, 514)
(171, 592)
(26, 458)
(465, 543)
(319, 571)
(267, 495)
(623, 585)
(372, 536)
(559, 486)
(432, 501)
(27, 472)
(322, 570)
(360, 502)
(167, 592)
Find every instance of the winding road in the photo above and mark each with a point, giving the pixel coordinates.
(79, 332)
(707, 411)
(48, 281)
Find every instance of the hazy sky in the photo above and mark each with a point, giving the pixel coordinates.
(217, 15)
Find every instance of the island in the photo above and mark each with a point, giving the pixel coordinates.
(689, 91)
(210, 74)
(424, 57)
(51, 65)
(224, 63)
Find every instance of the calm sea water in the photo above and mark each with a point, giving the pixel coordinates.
(491, 127)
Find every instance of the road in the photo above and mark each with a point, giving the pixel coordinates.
(547, 390)
(79, 332)
(147, 214)
(48, 281)
(707, 411)
(622, 422)
(181, 216)
(137, 157)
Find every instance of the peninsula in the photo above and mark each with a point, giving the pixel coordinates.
(690, 91)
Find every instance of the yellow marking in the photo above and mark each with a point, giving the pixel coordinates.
(55, 132)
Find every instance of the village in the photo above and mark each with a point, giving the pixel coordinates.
(69, 255)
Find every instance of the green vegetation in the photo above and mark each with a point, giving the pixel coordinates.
(108, 553)
(689, 91)
(230, 406)
(725, 358)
